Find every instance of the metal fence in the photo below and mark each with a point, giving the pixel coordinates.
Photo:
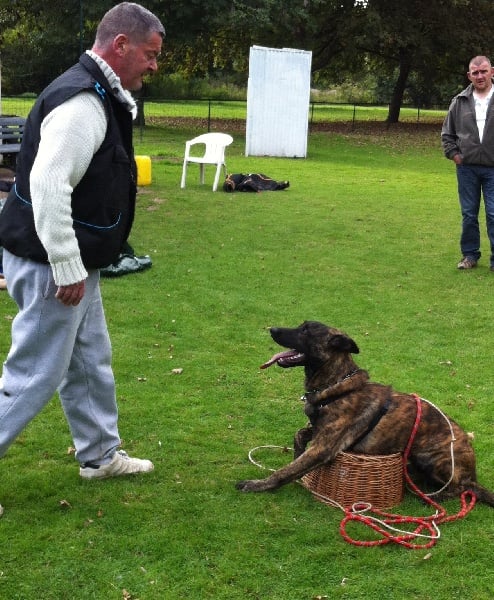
(213, 109)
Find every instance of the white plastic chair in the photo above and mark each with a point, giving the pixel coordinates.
(214, 154)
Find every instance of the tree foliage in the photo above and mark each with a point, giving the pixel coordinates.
(424, 39)
(39, 40)
(419, 47)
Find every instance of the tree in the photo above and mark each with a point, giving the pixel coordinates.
(430, 39)
(418, 45)
(39, 40)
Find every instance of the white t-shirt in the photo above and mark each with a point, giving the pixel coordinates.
(481, 105)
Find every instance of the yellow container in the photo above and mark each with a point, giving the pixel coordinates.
(143, 170)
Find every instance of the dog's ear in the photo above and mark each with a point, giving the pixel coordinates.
(343, 343)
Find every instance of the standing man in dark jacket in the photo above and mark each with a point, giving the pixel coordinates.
(69, 213)
(468, 140)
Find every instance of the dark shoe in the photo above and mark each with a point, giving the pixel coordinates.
(467, 263)
(144, 261)
(126, 264)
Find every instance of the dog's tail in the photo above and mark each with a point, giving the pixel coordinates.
(483, 494)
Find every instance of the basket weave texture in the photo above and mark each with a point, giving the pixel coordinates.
(351, 478)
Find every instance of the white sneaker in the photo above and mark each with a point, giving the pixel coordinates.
(1, 510)
(121, 464)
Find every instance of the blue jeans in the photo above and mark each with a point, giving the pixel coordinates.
(473, 182)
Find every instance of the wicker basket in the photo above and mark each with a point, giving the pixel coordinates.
(351, 478)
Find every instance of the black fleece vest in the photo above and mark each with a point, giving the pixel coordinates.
(103, 202)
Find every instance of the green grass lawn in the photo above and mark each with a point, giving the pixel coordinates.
(365, 239)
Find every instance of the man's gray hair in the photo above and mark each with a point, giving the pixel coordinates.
(131, 19)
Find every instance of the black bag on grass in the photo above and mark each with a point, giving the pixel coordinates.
(253, 182)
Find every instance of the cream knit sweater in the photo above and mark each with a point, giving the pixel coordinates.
(70, 136)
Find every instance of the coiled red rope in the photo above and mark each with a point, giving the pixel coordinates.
(426, 528)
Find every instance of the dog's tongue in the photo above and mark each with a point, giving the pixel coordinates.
(278, 356)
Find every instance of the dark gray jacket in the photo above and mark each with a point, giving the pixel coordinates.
(460, 134)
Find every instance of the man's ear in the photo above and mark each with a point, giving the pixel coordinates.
(120, 44)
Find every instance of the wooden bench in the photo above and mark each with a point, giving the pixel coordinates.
(11, 132)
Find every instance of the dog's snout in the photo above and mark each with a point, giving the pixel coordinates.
(279, 334)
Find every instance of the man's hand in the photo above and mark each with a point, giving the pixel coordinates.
(70, 295)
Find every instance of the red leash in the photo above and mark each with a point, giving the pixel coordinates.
(386, 526)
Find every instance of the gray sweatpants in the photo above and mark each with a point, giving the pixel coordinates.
(57, 347)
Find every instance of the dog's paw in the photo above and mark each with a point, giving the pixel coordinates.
(250, 485)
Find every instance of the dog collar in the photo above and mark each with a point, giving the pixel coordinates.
(325, 395)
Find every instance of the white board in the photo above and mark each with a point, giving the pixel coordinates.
(278, 100)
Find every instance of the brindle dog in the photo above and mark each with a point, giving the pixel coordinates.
(347, 412)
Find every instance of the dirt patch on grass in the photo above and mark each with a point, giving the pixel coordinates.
(342, 127)
(424, 134)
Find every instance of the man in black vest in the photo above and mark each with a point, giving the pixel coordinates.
(68, 214)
